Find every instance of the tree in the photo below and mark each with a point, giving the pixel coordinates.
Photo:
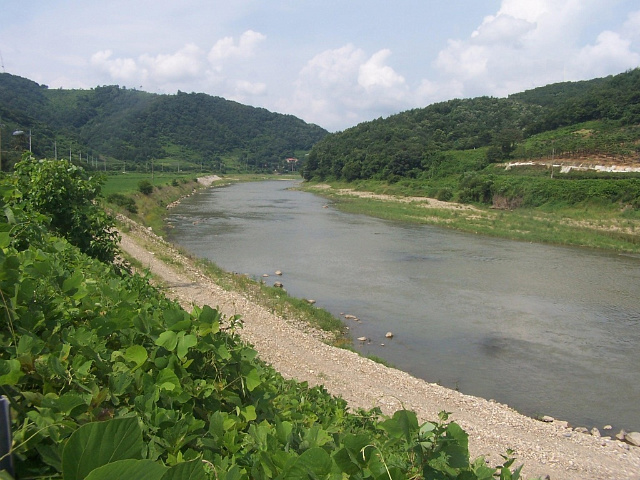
(67, 195)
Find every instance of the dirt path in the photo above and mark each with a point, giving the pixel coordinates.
(551, 449)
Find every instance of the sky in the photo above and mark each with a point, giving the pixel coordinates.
(332, 63)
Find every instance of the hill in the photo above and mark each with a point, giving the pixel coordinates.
(119, 127)
(597, 117)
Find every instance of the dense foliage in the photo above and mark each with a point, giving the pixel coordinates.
(67, 195)
(108, 379)
(117, 125)
(416, 143)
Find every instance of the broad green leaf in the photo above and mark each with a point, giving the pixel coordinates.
(136, 354)
(168, 380)
(457, 450)
(316, 436)
(98, 443)
(193, 470)
(253, 379)
(5, 239)
(313, 463)
(128, 470)
(210, 318)
(184, 343)
(249, 413)
(10, 372)
(73, 282)
(168, 340)
(357, 445)
(66, 403)
(403, 424)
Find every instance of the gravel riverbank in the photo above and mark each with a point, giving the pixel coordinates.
(550, 449)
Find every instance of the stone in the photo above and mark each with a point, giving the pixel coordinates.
(310, 301)
(278, 284)
(595, 432)
(265, 275)
(607, 427)
(621, 435)
(362, 339)
(389, 335)
(278, 272)
(350, 317)
(581, 430)
(547, 419)
(633, 438)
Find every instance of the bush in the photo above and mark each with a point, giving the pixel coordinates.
(145, 187)
(123, 201)
(67, 195)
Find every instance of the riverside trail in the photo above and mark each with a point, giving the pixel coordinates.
(550, 449)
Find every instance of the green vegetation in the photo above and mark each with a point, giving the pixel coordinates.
(107, 378)
(590, 225)
(450, 151)
(596, 118)
(112, 128)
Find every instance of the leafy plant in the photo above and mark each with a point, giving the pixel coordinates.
(145, 187)
(67, 195)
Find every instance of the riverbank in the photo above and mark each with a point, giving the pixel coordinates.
(551, 448)
(591, 227)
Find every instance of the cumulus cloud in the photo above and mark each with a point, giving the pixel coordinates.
(121, 69)
(227, 47)
(611, 52)
(374, 73)
(244, 88)
(339, 86)
(189, 65)
(183, 64)
(536, 42)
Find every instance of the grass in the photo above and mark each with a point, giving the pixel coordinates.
(587, 225)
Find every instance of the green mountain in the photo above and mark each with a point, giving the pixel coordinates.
(598, 118)
(120, 126)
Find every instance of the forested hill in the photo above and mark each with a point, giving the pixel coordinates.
(122, 125)
(599, 117)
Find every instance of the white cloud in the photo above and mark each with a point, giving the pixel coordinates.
(244, 87)
(344, 85)
(374, 73)
(536, 42)
(502, 28)
(184, 64)
(122, 69)
(463, 60)
(227, 47)
(611, 52)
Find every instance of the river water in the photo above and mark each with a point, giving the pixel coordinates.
(547, 330)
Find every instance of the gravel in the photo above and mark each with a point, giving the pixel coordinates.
(550, 448)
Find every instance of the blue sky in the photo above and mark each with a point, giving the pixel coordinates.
(333, 63)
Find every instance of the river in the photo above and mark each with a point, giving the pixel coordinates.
(547, 330)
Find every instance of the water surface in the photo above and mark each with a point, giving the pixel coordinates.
(546, 329)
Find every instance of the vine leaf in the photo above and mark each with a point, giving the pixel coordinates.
(128, 469)
(99, 443)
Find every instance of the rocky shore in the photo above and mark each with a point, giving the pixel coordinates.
(548, 449)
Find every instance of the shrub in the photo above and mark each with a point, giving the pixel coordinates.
(145, 187)
(123, 201)
(67, 195)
